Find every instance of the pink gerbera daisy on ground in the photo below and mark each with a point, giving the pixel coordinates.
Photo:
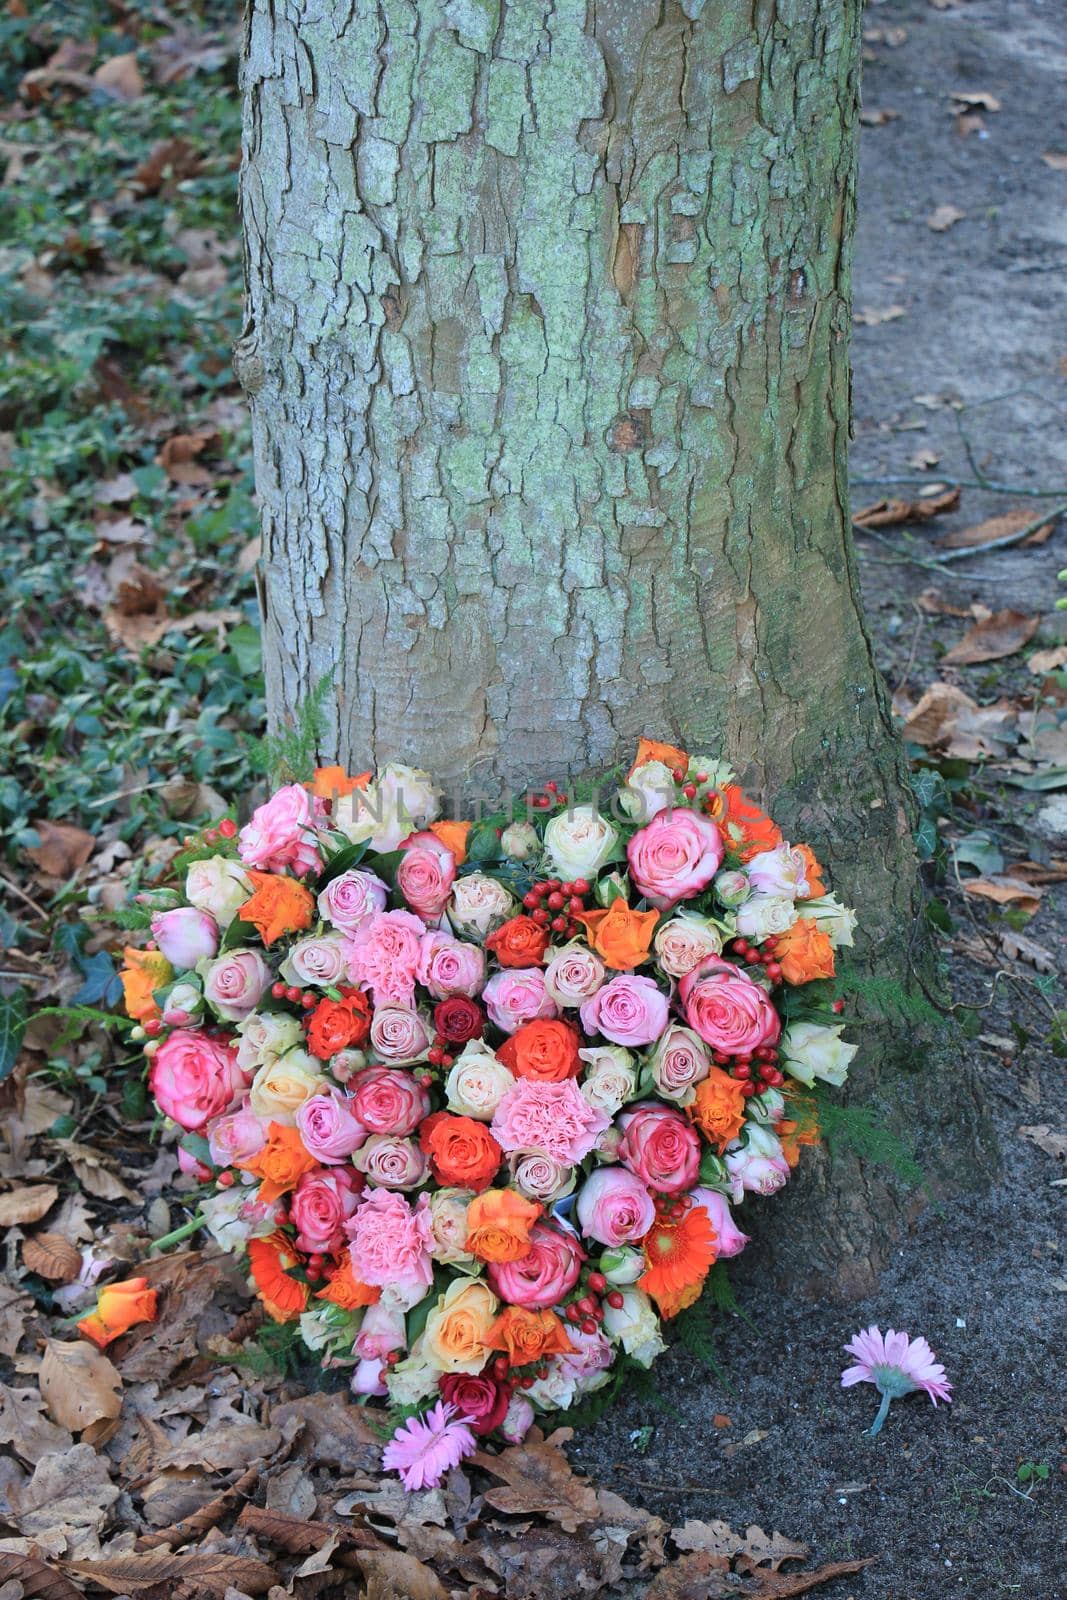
(896, 1365)
(425, 1447)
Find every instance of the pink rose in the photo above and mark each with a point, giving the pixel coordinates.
(321, 1204)
(321, 961)
(573, 974)
(380, 1332)
(390, 1240)
(554, 1119)
(391, 1162)
(387, 1100)
(368, 1377)
(731, 1241)
(730, 1011)
(679, 1062)
(518, 995)
(185, 936)
(675, 857)
(235, 1136)
(399, 1035)
(328, 1127)
(384, 956)
(660, 1146)
(194, 1078)
(518, 1419)
(425, 874)
(614, 1207)
(449, 966)
(593, 1353)
(542, 1277)
(350, 898)
(192, 1168)
(281, 836)
(235, 983)
(629, 1010)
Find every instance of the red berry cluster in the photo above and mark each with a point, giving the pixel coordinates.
(545, 800)
(226, 829)
(760, 956)
(295, 996)
(586, 1310)
(688, 786)
(555, 904)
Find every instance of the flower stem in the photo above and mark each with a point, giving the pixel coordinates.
(883, 1412)
(186, 1231)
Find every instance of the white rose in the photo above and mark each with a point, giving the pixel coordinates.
(579, 840)
(280, 1087)
(520, 841)
(411, 1381)
(400, 800)
(218, 886)
(610, 1078)
(764, 914)
(647, 791)
(233, 1216)
(574, 974)
(811, 1051)
(838, 922)
(636, 1324)
(328, 1328)
(478, 904)
(448, 1221)
(265, 1035)
(782, 871)
(322, 961)
(477, 1082)
(556, 1390)
(684, 940)
(767, 1107)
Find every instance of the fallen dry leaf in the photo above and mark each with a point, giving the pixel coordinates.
(52, 1257)
(178, 457)
(394, 1572)
(120, 77)
(69, 1494)
(923, 459)
(1005, 892)
(80, 1387)
(894, 37)
(1020, 947)
(16, 1307)
(1056, 159)
(945, 718)
(1053, 1144)
(209, 1572)
(944, 217)
(94, 1173)
(870, 118)
(63, 850)
(768, 1550)
(25, 1428)
(868, 317)
(35, 1579)
(142, 632)
(1043, 661)
(27, 1205)
(977, 98)
(168, 161)
(991, 531)
(1000, 635)
(539, 1478)
(935, 605)
(890, 513)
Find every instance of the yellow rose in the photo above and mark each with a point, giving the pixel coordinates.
(456, 1334)
(280, 1087)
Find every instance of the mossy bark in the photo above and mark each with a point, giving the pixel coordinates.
(547, 345)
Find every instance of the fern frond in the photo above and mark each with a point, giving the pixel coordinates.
(290, 756)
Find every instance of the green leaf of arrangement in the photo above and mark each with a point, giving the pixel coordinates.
(349, 856)
(13, 1014)
(483, 843)
(239, 932)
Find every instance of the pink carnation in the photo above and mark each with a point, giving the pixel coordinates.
(384, 956)
(518, 995)
(675, 857)
(554, 1119)
(281, 836)
(390, 1240)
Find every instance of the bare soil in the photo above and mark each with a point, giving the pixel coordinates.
(771, 1437)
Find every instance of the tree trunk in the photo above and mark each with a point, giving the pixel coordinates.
(547, 345)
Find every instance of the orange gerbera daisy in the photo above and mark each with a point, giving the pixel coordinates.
(283, 1297)
(345, 1290)
(679, 1254)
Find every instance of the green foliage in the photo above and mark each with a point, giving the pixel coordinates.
(13, 1014)
(858, 1128)
(290, 756)
(889, 1000)
(275, 1347)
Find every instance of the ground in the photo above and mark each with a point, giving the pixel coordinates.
(130, 663)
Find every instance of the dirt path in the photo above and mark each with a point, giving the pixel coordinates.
(937, 1496)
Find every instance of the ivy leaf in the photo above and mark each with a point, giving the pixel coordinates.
(13, 1015)
(101, 983)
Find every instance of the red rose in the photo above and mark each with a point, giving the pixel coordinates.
(519, 942)
(339, 1025)
(459, 1019)
(480, 1398)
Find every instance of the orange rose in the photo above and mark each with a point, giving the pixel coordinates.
(528, 1336)
(144, 971)
(519, 942)
(746, 829)
(279, 905)
(794, 1135)
(339, 1025)
(719, 1107)
(345, 1290)
(462, 1152)
(651, 750)
(281, 1163)
(120, 1305)
(620, 935)
(816, 887)
(453, 835)
(283, 1297)
(544, 1050)
(498, 1225)
(805, 952)
(331, 783)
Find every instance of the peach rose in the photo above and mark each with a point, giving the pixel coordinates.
(456, 1336)
(498, 1225)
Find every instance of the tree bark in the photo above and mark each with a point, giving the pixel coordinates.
(547, 346)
